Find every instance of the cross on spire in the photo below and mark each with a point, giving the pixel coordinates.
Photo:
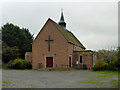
(49, 40)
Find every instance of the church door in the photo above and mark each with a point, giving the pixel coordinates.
(70, 62)
(49, 61)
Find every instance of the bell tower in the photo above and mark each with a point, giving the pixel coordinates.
(62, 21)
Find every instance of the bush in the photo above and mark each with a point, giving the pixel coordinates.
(110, 59)
(20, 64)
(9, 53)
(114, 65)
(5, 66)
(100, 65)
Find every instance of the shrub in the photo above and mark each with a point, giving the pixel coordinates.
(111, 60)
(20, 64)
(25, 65)
(100, 65)
(5, 66)
(114, 64)
(9, 53)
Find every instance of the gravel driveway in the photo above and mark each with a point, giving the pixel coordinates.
(55, 79)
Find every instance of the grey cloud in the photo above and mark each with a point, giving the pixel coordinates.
(94, 24)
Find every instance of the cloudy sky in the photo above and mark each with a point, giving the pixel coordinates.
(95, 24)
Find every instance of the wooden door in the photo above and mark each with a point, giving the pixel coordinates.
(49, 61)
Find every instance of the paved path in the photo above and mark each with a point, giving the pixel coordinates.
(55, 79)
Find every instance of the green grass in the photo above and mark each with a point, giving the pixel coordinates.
(114, 80)
(114, 83)
(97, 76)
(5, 66)
(4, 87)
(92, 82)
(7, 82)
(107, 73)
(103, 76)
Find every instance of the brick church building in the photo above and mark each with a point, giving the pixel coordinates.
(56, 47)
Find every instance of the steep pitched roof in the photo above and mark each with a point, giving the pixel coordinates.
(68, 35)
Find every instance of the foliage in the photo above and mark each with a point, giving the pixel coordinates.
(20, 64)
(101, 65)
(118, 58)
(107, 55)
(13, 36)
(10, 53)
(4, 66)
(107, 60)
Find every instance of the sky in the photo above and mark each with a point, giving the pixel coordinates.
(95, 24)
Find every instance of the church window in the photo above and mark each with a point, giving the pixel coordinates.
(80, 59)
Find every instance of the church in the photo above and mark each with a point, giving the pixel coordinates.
(55, 47)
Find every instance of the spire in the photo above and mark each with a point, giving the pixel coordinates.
(62, 22)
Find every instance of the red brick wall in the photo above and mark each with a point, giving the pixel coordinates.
(87, 59)
(58, 48)
(77, 48)
(72, 48)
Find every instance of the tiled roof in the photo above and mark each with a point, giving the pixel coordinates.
(68, 35)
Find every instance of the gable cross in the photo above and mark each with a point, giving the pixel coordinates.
(49, 40)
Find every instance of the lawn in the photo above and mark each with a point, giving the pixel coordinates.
(107, 73)
(6, 82)
(91, 82)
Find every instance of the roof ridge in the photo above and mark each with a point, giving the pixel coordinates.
(57, 28)
(68, 37)
(76, 38)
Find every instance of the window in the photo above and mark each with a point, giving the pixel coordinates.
(80, 59)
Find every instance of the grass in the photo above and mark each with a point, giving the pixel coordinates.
(114, 83)
(103, 76)
(107, 73)
(97, 76)
(114, 80)
(4, 87)
(5, 66)
(7, 82)
(92, 82)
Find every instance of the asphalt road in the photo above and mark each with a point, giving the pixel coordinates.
(55, 79)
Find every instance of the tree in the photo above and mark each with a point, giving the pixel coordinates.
(10, 53)
(118, 58)
(14, 36)
(110, 58)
